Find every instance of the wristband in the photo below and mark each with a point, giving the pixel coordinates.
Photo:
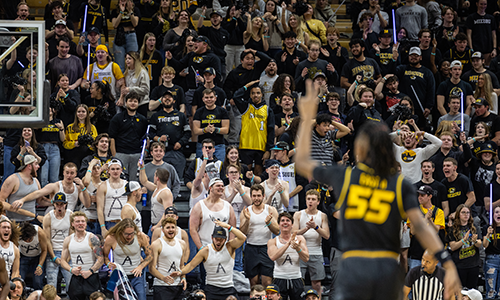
(90, 171)
(21, 155)
(102, 225)
(230, 228)
(385, 79)
(245, 87)
(20, 96)
(267, 36)
(107, 265)
(281, 192)
(488, 240)
(66, 96)
(253, 177)
(235, 19)
(443, 256)
(201, 248)
(474, 139)
(54, 258)
(433, 53)
(203, 16)
(269, 224)
(39, 266)
(462, 240)
(300, 250)
(159, 99)
(205, 158)
(143, 168)
(316, 228)
(83, 190)
(241, 195)
(70, 269)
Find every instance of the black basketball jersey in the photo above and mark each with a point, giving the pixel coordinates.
(371, 207)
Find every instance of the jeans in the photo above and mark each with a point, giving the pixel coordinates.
(28, 265)
(414, 263)
(8, 167)
(120, 51)
(52, 270)
(50, 169)
(220, 151)
(233, 137)
(233, 53)
(177, 159)
(491, 274)
(138, 284)
(93, 227)
(129, 162)
(238, 258)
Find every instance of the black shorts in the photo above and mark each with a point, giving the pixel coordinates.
(248, 157)
(290, 288)
(81, 289)
(167, 292)
(257, 262)
(217, 293)
(370, 278)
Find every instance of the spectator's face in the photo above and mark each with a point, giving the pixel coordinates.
(464, 214)
(57, 11)
(481, 110)
(445, 68)
(23, 12)
(287, 82)
(480, 130)
(93, 37)
(233, 155)
(63, 48)
(373, 3)
(168, 101)
(429, 263)
(322, 3)
(27, 133)
(256, 95)
(210, 149)
(103, 144)
(233, 174)
(31, 53)
(323, 128)
(5, 230)
(257, 197)
(425, 39)
(319, 81)
(427, 169)
(273, 295)
(169, 230)
(209, 99)
(480, 81)
(447, 142)
(61, 30)
(481, 5)
(168, 76)
(158, 153)
(271, 69)
(290, 42)
(401, 34)
(248, 61)
(270, 6)
(255, 294)
(393, 86)
(69, 174)
(115, 171)
(448, 169)
(333, 103)
(132, 104)
(314, 51)
(461, 45)
(285, 224)
(332, 38)
(311, 296)
(454, 105)
(456, 72)
(94, 90)
(128, 234)
(215, 19)
(477, 63)
(366, 97)
(79, 223)
(129, 61)
(385, 40)
(151, 42)
(414, 59)
(356, 50)
(60, 207)
(287, 103)
(101, 56)
(293, 22)
(312, 201)
(16, 293)
(449, 15)
(63, 82)
(200, 47)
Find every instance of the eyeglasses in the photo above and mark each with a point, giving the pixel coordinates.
(129, 234)
(465, 212)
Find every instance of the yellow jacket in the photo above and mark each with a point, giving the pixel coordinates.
(319, 29)
(72, 135)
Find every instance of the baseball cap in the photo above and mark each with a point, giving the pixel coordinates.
(59, 198)
(167, 92)
(386, 32)
(115, 161)
(425, 190)
(415, 50)
(209, 70)
(282, 145)
(477, 54)
(94, 29)
(271, 163)
(487, 147)
(171, 210)
(473, 294)
(455, 63)
(28, 159)
(311, 291)
(273, 288)
(480, 101)
(202, 38)
(131, 186)
(60, 22)
(217, 13)
(219, 232)
(317, 74)
(214, 181)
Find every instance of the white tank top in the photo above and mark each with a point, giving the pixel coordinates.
(258, 233)
(169, 260)
(193, 201)
(238, 204)
(287, 173)
(313, 239)
(207, 223)
(114, 202)
(31, 249)
(91, 211)
(129, 257)
(287, 266)
(276, 200)
(80, 252)
(8, 256)
(105, 74)
(219, 267)
(138, 218)
(156, 207)
(59, 229)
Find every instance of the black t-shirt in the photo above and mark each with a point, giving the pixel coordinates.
(174, 125)
(471, 77)
(154, 68)
(426, 57)
(50, 24)
(490, 120)
(467, 256)
(481, 176)
(48, 133)
(384, 59)
(219, 93)
(456, 191)
(369, 70)
(481, 27)
(448, 88)
(374, 230)
(218, 38)
(176, 91)
(494, 245)
(214, 116)
(439, 192)
(280, 120)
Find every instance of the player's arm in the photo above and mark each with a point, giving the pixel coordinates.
(308, 108)
(14, 271)
(4, 280)
(100, 198)
(194, 225)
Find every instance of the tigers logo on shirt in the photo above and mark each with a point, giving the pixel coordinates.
(408, 156)
(211, 117)
(198, 59)
(175, 123)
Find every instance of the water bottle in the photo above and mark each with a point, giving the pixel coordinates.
(144, 199)
(63, 286)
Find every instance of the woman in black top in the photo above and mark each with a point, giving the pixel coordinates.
(254, 35)
(283, 84)
(235, 25)
(27, 145)
(69, 99)
(492, 249)
(464, 245)
(233, 158)
(125, 18)
(101, 105)
(49, 137)
(175, 38)
(163, 21)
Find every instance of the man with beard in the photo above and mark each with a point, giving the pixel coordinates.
(358, 65)
(454, 86)
(417, 82)
(258, 222)
(217, 35)
(218, 260)
(169, 255)
(267, 80)
(313, 64)
(287, 250)
(33, 249)
(18, 185)
(180, 234)
(126, 241)
(170, 128)
(85, 252)
(409, 156)
(71, 186)
(426, 281)
(161, 198)
(102, 154)
(126, 130)
(109, 197)
(9, 237)
(56, 225)
(288, 58)
(167, 85)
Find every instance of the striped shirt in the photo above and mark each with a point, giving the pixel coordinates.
(425, 286)
(322, 147)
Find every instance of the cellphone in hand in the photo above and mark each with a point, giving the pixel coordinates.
(26, 143)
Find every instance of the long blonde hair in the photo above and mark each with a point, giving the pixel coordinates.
(138, 66)
(487, 90)
(300, 29)
(261, 30)
(142, 52)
